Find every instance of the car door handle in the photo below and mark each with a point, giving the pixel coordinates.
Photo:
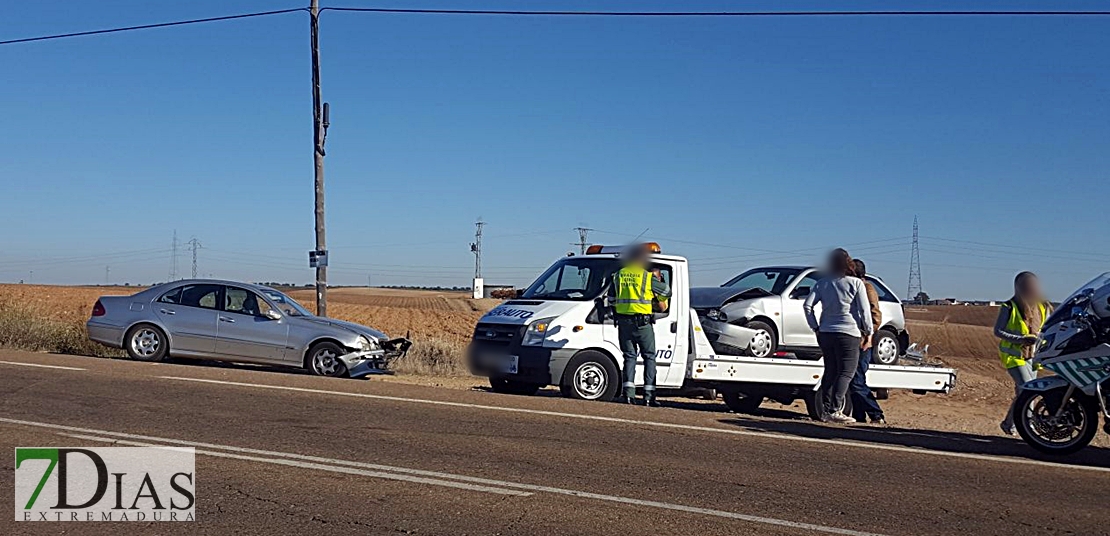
(168, 312)
(226, 319)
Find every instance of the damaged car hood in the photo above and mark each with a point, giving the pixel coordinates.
(349, 326)
(711, 297)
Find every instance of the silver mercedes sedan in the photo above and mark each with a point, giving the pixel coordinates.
(230, 321)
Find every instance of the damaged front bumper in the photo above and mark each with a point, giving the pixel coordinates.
(370, 362)
(729, 336)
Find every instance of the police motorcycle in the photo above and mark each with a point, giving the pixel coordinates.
(1060, 414)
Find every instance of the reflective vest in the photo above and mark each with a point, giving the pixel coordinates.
(1010, 352)
(633, 291)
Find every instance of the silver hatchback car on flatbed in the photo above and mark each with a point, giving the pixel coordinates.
(231, 321)
(768, 302)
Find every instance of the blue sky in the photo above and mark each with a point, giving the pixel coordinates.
(736, 142)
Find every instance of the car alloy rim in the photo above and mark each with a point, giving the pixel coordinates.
(146, 342)
(761, 344)
(887, 350)
(590, 380)
(325, 362)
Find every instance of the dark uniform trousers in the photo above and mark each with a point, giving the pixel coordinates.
(637, 339)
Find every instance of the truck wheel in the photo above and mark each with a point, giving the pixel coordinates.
(816, 408)
(764, 344)
(884, 351)
(741, 403)
(513, 387)
(591, 375)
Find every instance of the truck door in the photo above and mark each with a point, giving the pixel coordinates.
(795, 329)
(670, 348)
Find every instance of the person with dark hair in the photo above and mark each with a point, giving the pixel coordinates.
(1017, 328)
(844, 329)
(864, 404)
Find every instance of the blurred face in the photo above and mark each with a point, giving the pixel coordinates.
(1030, 287)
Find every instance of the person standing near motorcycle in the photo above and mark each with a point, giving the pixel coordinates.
(1017, 327)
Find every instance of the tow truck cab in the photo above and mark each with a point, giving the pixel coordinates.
(561, 331)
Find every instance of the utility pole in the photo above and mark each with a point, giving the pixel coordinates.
(194, 245)
(583, 233)
(31, 277)
(368, 285)
(477, 290)
(107, 271)
(173, 260)
(320, 133)
(476, 248)
(914, 288)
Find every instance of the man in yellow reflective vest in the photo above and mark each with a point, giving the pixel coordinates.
(635, 331)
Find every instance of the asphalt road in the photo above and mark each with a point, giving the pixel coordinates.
(281, 453)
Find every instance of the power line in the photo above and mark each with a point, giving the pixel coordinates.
(150, 26)
(561, 13)
(527, 13)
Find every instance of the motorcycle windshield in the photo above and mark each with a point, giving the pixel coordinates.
(1064, 312)
(1091, 286)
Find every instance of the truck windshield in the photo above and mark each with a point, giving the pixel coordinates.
(573, 278)
(772, 280)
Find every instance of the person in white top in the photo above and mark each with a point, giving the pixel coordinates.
(843, 330)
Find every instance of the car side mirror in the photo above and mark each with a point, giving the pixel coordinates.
(273, 315)
(799, 293)
(518, 293)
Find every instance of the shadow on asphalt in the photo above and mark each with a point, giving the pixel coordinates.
(923, 439)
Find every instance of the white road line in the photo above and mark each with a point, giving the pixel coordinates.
(38, 365)
(402, 473)
(673, 426)
(322, 467)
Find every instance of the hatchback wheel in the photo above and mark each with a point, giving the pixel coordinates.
(323, 360)
(764, 343)
(885, 349)
(146, 343)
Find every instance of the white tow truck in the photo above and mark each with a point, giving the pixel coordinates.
(560, 331)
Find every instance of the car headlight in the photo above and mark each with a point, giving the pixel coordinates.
(537, 331)
(365, 344)
(717, 314)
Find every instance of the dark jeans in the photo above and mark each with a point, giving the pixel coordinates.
(841, 353)
(864, 404)
(636, 341)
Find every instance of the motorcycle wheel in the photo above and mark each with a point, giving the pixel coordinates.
(1035, 419)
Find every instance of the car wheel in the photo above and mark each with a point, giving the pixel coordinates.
(513, 387)
(590, 375)
(884, 350)
(146, 343)
(323, 360)
(741, 403)
(763, 343)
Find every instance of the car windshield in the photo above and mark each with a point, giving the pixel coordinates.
(772, 280)
(573, 278)
(287, 305)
